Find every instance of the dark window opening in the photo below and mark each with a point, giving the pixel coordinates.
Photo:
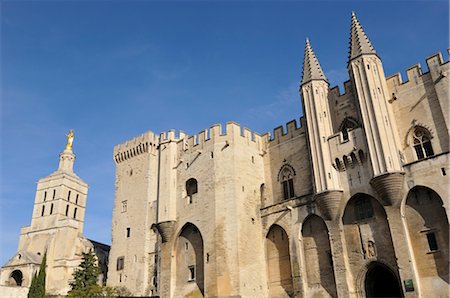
(345, 135)
(191, 189)
(75, 213)
(51, 208)
(68, 196)
(191, 273)
(128, 232)
(288, 189)
(286, 176)
(120, 263)
(67, 210)
(76, 199)
(45, 195)
(422, 143)
(43, 211)
(54, 193)
(363, 208)
(347, 125)
(432, 242)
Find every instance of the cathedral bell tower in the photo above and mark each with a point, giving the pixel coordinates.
(61, 195)
(366, 72)
(314, 90)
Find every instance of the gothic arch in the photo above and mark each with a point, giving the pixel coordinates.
(349, 122)
(367, 234)
(320, 277)
(408, 136)
(428, 229)
(373, 272)
(189, 262)
(278, 263)
(285, 168)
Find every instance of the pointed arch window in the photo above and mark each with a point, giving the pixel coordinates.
(347, 125)
(422, 143)
(286, 177)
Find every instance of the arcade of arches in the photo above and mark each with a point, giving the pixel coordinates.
(368, 244)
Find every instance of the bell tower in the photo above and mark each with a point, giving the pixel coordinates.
(61, 195)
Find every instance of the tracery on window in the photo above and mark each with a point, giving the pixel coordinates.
(286, 177)
(422, 143)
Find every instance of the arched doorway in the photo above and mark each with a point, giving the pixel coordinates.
(367, 235)
(380, 281)
(189, 262)
(318, 259)
(278, 262)
(16, 277)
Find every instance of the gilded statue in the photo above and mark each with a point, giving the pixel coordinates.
(69, 140)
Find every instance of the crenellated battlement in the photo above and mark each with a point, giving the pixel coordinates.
(281, 135)
(233, 133)
(414, 73)
(336, 92)
(146, 142)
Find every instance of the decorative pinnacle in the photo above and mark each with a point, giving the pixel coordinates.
(359, 43)
(311, 66)
(69, 141)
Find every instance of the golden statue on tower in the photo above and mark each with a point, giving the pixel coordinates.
(69, 140)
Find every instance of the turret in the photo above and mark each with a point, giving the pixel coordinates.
(314, 90)
(366, 72)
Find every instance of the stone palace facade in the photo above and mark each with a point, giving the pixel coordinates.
(351, 202)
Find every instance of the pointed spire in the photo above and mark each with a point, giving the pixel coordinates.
(359, 43)
(311, 66)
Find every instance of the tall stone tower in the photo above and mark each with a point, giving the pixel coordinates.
(366, 72)
(56, 229)
(314, 89)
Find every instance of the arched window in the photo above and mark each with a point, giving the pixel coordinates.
(286, 177)
(347, 125)
(191, 189)
(422, 143)
(16, 278)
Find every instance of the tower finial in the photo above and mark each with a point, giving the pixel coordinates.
(311, 66)
(69, 137)
(359, 42)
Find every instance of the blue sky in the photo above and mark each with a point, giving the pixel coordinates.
(113, 69)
